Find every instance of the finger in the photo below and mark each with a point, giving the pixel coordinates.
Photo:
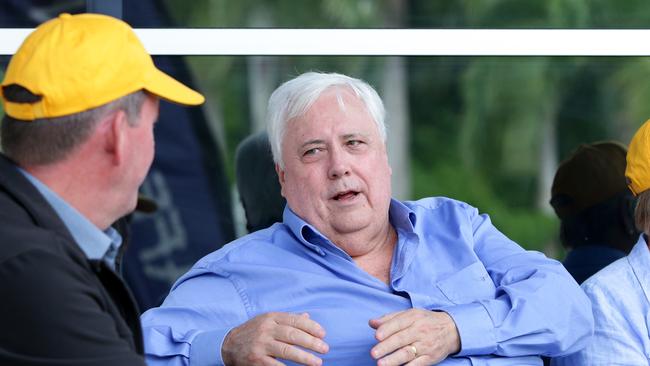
(394, 324)
(270, 361)
(421, 361)
(399, 357)
(302, 322)
(392, 344)
(290, 353)
(295, 336)
(376, 323)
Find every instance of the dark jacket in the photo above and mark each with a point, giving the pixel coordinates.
(57, 307)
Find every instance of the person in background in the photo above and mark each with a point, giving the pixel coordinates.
(353, 277)
(257, 182)
(620, 292)
(81, 97)
(596, 209)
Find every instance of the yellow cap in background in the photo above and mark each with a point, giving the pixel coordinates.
(79, 62)
(637, 171)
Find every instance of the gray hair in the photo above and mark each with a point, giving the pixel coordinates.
(642, 212)
(48, 140)
(293, 98)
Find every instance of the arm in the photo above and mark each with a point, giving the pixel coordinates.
(205, 321)
(202, 307)
(538, 308)
(52, 314)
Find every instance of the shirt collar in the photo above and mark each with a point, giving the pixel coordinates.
(639, 260)
(93, 242)
(401, 217)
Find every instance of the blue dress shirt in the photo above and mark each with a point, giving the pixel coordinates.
(96, 244)
(620, 296)
(508, 304)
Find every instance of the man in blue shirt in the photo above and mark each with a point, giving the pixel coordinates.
(620, 292)
(353, 277)
(80, 97)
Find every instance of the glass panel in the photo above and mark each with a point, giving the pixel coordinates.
(486, 130)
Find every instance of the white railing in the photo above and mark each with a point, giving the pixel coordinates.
(387, 42)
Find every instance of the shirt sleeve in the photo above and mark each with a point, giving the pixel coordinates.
(202, 307)
(538, 309)
(616, 339)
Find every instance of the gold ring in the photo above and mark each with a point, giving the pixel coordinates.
(414, 350)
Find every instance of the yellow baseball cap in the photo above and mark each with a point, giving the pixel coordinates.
(79, 62)
(637, 171)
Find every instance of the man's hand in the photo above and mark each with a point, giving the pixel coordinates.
(414, 337)
(266, 337)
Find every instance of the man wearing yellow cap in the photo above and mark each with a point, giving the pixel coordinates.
(620, 292)
(80, 98)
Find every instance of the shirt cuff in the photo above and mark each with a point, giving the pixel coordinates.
(206, 348)
(475, 328)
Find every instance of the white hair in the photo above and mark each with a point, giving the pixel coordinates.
(293, 98)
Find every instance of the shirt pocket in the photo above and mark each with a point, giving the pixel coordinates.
(470, 284)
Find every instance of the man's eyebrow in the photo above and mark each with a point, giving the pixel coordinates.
(312, 142)
(353, 135)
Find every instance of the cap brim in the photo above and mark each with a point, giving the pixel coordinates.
(172, 90)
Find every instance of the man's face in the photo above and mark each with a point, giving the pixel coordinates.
(336, 174)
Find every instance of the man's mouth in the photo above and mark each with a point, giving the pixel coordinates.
(345, 195)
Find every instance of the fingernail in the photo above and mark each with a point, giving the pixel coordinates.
(321, 347)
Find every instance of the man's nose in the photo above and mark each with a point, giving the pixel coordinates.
(339, 164)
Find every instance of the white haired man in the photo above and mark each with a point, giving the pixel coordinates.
(353, 277)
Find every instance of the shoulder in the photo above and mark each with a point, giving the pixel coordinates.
(442, 211)
(616, 274)
(21, 238)
(613, 286)
(253, 247)
(438, 205)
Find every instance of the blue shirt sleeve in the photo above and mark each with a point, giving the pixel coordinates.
(176, 331)
(538, 307)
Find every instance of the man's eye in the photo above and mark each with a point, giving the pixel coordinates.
(355, 142)
(312, 151)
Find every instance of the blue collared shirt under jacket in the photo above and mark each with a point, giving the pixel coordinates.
(508, 304)
(620, 294)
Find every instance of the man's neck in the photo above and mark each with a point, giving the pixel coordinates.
(378, 258)
(76, 186)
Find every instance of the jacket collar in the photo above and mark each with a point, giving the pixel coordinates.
(31, 200)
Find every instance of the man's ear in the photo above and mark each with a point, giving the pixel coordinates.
(281, 179)
(115, 132)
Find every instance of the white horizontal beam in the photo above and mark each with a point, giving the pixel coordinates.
(387, 42)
